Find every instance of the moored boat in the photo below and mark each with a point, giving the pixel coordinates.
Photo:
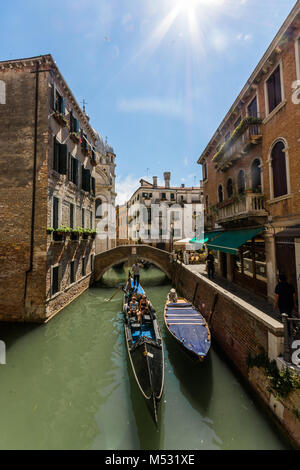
(145, 349)
(190, 329)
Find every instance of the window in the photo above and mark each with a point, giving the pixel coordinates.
(74, 124)
(93, 186)
(238, 122)
(204, 170)
(55, 203)
(92, 263)
(83, 267)
(71, 215)
(60, 156)
(256, 176)
(227, 136)
(59, 102)
(73, 169)
(252, 108)
(274, 94)
(55, 280)
(98, 208)
(229, 188)
(85, 179)
(72, 272)
(163, 196)
(279, 170)
(220, 193)
(82, 218)
(2, 92)
(172, 196)
(241, 182)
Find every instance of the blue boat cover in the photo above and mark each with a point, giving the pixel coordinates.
(188, 326)
(139, 289)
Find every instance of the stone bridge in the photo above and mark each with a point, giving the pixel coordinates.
(160, 258)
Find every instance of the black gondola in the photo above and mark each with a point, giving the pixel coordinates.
(145, 350)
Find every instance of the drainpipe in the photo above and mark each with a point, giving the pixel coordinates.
(33, 180)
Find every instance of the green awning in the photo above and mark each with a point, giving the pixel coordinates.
(231, 240)
(207, 236)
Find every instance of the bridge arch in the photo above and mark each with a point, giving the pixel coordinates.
(105, 260)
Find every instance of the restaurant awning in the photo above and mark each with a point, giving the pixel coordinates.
(206, 237)
(231, 240)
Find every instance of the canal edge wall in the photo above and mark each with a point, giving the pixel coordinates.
(242, 330)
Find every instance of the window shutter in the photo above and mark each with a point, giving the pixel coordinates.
(63, 106)
(93, 186)
(76, 125)
(69, 166)
(55, 213)
(71, 121)
(75, 172)
(63, 159)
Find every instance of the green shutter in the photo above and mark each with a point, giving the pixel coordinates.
(63, 159)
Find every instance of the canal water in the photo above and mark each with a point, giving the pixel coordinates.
(68, 385)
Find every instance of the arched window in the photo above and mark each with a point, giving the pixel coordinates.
(241, 181)
(279, 170)
(256, 176)
(220, 193)
(229, 188)
(98, 209)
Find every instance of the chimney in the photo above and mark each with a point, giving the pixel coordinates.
(183, 185)
(167, 177)
(154, 181)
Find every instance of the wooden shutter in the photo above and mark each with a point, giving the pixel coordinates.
(70, 167)
(55, 213)
(93, 182)
(63, 159)
(75, 171)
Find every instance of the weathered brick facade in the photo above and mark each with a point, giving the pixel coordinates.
(48, 151)
(258, 204)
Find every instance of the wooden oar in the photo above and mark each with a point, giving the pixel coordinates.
(119, 288)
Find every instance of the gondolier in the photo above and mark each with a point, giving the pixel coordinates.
(136, 273)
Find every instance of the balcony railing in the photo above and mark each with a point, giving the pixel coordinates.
(252, 204)
(247, 134)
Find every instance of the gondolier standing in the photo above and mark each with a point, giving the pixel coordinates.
(136, 273)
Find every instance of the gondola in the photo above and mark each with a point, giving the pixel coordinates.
(145, 350)
(188, 327)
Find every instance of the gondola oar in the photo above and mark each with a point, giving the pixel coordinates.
(119, 288)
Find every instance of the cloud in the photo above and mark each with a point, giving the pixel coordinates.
(125, 188)
(164, 106)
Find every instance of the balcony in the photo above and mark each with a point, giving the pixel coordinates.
(245, 136)
(249, 206)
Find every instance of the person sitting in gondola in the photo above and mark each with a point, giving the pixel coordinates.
(133, 307)
(144, 308)
(172, 296)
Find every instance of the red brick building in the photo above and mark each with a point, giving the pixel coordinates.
(47, 192)
(251, 171)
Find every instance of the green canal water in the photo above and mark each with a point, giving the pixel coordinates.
(68, 385)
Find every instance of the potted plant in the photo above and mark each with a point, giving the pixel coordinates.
(61, 119)
(50, 230)
(61, 232)
(74, 234)
(75, 137)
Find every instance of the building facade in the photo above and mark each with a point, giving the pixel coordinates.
(48, 188)
(251, 175)
(160, 215)
(122, 225)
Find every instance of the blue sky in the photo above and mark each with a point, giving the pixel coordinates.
(158, 76)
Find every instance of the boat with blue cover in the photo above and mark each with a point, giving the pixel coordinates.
(190, 329)
(145, 349)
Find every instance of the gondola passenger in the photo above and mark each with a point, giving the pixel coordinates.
(144, 308)
(133, 307)
(172, 296)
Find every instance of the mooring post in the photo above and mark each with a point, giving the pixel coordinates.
(286, 352)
